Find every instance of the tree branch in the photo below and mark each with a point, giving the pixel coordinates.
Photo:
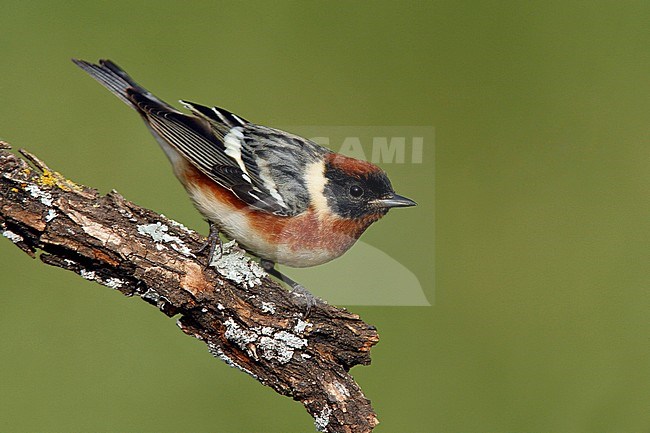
(245, 319)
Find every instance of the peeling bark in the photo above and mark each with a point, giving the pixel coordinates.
(245, 319)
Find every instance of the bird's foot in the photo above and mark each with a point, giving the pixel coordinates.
(304, 298)
(214, 244)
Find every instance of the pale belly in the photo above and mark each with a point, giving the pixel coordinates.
(283, 250)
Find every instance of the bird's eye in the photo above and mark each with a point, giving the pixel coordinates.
(356, 191)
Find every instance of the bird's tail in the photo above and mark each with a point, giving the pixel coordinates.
(115, 79)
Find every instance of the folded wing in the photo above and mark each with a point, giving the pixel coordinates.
(261, 166)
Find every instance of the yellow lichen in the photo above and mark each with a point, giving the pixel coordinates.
(54, 178)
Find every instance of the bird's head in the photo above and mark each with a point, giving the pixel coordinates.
(355, 189)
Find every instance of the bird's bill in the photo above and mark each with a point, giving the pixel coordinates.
(394, 201)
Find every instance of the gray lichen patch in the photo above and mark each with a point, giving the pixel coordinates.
(234, 265)
(158, 232)
(151, 295)
(88, 275)
(281, 346)
(177, 224)
(13, 237)
(268, 307)
(239, 335)
(44, 196)
(114, 283)
(290, 340)
(272, 344)
(51, 214)
(300, 327)
(323, 419)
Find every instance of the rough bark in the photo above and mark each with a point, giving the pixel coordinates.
(247, 320)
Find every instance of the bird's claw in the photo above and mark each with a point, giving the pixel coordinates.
(304, 298)
(214, 244)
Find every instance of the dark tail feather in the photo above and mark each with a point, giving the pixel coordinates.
(111, 76)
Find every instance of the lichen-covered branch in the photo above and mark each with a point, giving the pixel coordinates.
(245, 319)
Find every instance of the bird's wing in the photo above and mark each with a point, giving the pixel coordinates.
(222, 152)
(271, 161)
(249, 160)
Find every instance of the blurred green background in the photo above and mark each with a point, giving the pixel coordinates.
(540, 295)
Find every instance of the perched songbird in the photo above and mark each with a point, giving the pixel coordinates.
(283, 198)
